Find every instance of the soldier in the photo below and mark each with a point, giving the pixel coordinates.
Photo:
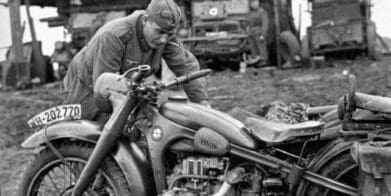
(258, 22)
(125, 43)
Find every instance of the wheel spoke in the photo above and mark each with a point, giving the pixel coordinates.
(54, 184)
(70, 173)
(62, 167)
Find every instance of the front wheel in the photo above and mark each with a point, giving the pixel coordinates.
(49, 175)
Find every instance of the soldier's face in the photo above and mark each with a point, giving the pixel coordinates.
(154, 35)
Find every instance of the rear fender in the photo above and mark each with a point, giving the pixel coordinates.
(127, 155)
(332, 150)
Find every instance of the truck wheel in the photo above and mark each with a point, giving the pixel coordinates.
(373, 53)
(289, 45)
(48, 175)
(343, 169)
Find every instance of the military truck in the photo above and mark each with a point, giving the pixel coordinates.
(341, 26)
(216, 31)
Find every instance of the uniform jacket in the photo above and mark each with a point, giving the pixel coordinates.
(118, 46)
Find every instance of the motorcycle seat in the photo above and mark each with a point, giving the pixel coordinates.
(278, 132)
(372, 103)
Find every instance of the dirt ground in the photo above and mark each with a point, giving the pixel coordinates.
(228, 89)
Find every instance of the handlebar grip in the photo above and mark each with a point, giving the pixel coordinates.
(187, 78)
(198, 74)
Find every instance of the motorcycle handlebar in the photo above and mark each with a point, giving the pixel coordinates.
(142, 71)
(187, 78)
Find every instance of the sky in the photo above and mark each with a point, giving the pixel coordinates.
(381, 14)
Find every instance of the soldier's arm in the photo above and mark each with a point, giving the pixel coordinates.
(183, 62)
(109, 53)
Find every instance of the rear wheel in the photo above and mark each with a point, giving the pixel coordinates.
(342, 169)
(48, 175)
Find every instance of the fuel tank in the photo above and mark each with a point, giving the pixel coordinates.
(196, 116)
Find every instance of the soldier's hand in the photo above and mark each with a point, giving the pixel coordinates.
(205, 103)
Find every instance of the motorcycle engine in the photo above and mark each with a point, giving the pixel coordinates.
(197, 175)
(201, 175)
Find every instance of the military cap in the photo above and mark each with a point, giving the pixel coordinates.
(165, 13)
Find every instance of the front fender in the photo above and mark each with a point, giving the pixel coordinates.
(128, 156)
(78, 130)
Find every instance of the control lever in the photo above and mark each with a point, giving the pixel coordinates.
(186, 78)
(140, 72)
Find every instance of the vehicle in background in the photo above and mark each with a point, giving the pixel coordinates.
(340, 26)
(217, 31)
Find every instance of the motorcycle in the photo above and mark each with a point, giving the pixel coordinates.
(179, 148)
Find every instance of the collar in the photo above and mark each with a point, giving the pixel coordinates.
(140, 35)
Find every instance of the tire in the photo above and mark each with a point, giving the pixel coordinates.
(343, 169)
(289, 45)
(48, 169)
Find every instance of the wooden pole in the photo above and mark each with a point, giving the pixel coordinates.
(16, 53)
(276, 6)
(38, 66)
(16, 31)
(299, 22)
(30, 21)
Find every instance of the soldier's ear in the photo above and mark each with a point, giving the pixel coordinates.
(144, 19)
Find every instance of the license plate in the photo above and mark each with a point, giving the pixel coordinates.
(55, 114)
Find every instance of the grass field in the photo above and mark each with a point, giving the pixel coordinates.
(227, 89)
